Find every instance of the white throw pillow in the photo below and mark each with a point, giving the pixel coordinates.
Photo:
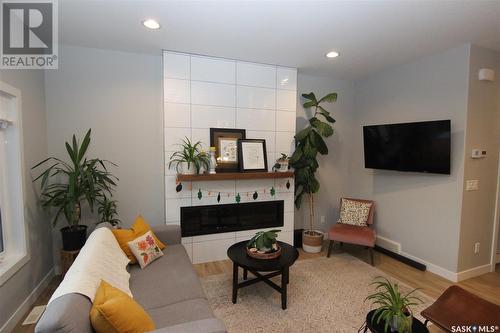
(355, 212)
(145, 249)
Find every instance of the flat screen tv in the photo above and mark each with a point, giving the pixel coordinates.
(418, 147)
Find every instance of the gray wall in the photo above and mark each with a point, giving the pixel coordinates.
(483, 132)
(19, 286)
(419, 211)
(334, 166)
(119, 96)
(498, 111)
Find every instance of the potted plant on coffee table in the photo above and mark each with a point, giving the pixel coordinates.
(393, 307)
(66, 186)
(190, 158)
(308, 143)
(264, 245)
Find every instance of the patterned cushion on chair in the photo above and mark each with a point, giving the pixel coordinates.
(354, 212)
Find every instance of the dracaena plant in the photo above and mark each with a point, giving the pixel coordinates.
(308, 143)
(65, 185)
(393, 307)
(190, 153)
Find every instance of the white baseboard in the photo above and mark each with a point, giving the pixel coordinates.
(438, 270)
(395, 247)
(470, 273)
(28, 302)
(388, 244)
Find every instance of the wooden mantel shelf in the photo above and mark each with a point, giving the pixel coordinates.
(235, 175)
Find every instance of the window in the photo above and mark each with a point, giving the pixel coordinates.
(13, 240)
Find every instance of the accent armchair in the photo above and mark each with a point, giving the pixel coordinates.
(354, 234)
(457, 307)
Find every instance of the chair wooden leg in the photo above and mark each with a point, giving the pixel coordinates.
(370, 249)
(330, 246)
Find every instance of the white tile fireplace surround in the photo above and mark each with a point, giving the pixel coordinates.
(202, 92)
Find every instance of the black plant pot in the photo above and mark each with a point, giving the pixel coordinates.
(73, 238)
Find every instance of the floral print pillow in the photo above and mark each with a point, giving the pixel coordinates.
(354, 212)
(145, 249)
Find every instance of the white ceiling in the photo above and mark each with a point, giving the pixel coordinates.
(369, 35)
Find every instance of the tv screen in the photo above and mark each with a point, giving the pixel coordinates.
(419, 147)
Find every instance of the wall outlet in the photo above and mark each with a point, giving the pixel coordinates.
(322, 219)
(472, 185)
(476, 248)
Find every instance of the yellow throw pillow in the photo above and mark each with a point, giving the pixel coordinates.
(139, 228)
(113, 311)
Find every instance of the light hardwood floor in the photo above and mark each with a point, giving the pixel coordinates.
(486, 286)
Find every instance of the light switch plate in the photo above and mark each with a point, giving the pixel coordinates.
(478, 153)
(472, 185)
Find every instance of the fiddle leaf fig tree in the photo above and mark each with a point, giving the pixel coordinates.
(308, 143)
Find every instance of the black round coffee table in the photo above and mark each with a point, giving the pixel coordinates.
(279, 266)
(416, 327)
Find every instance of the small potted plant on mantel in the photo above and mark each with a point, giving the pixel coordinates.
(308, 143)
(190, 159)
(282, 163)
(393, 308)
(66, 186)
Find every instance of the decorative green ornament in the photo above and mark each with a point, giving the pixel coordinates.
(238, 198)
(178, 188)
(255, 195)
(200, 195)
(288, 184)
(273, 191)
(218, 197)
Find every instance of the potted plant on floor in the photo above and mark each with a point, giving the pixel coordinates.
(67, 185)
(308, 143)
(393, 308)
(190, 158)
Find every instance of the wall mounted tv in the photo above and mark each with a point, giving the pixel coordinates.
(417, 147)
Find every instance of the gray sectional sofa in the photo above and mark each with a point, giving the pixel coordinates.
(168, 289)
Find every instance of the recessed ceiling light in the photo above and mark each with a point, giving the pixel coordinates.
(332, 54)
(151, 24)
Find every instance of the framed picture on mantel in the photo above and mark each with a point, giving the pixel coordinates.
(225, 141)
(253, 155)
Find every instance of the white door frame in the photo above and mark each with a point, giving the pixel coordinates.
(496, 225)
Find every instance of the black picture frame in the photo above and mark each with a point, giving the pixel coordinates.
(230, 134)
(241, 155)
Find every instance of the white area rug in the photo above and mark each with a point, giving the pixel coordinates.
(324, 295)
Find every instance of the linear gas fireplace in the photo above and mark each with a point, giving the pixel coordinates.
(213, 219)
